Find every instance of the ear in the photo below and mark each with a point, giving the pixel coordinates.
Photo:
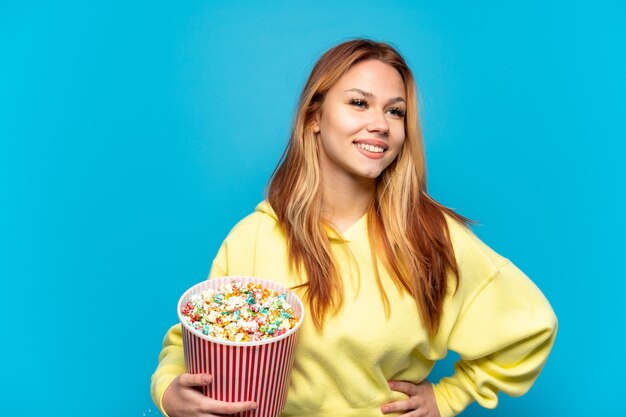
(316, 123)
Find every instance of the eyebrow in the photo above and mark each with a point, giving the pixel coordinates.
(368, 94)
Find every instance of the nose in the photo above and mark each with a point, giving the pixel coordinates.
(378, 123)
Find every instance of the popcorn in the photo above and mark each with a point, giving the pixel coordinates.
(239, 313)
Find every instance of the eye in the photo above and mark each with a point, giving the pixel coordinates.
(359, 102)
(397, 112)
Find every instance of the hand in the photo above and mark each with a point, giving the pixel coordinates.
(421, 401)
(181, 399)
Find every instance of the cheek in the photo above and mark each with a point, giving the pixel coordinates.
(398, 139)
(342, 122)
(399, 135)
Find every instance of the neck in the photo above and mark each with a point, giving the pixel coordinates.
(345, 200)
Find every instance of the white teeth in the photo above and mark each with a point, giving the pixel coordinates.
(370, 148)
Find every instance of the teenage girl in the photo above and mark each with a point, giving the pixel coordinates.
(391, 279)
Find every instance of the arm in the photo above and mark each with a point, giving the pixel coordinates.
(503, 337)
(171, 365)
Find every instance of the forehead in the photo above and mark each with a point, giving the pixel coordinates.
(372, 76)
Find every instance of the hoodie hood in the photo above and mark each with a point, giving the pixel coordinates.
(265, 208)
(359, 227)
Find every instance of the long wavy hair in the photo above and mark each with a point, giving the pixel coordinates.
(407, 228)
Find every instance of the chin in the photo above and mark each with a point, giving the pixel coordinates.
(370, 175)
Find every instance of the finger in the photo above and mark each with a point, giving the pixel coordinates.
(408, 388)
(401, 405)
(223, 407)
(195, 380)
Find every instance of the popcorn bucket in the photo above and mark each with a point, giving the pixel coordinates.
(243, 371)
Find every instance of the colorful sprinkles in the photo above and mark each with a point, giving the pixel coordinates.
(240, 313)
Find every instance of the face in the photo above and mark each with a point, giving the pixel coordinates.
(360, 128)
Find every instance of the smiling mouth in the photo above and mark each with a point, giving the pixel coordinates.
(370, 148)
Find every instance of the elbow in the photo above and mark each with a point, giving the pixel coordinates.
(545, 320)
(546, 323)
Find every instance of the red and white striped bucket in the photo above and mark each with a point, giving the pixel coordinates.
(243, 371)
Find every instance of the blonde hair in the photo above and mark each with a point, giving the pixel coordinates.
(407, 228)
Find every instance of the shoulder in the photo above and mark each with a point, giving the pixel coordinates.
(481, 268)
(259, 228)
(491, 286)
(471, 253)
(255, 246)
(261, 221)
(478, 264)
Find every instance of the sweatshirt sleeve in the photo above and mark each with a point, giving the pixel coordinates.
(171, 364)
(503, 338)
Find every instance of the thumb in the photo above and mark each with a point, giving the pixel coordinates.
(195, 380)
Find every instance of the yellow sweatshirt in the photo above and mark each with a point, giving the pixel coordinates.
(498, 321)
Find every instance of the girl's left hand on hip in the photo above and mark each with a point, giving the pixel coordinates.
(421, 401)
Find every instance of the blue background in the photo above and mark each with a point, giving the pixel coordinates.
(133, 135)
